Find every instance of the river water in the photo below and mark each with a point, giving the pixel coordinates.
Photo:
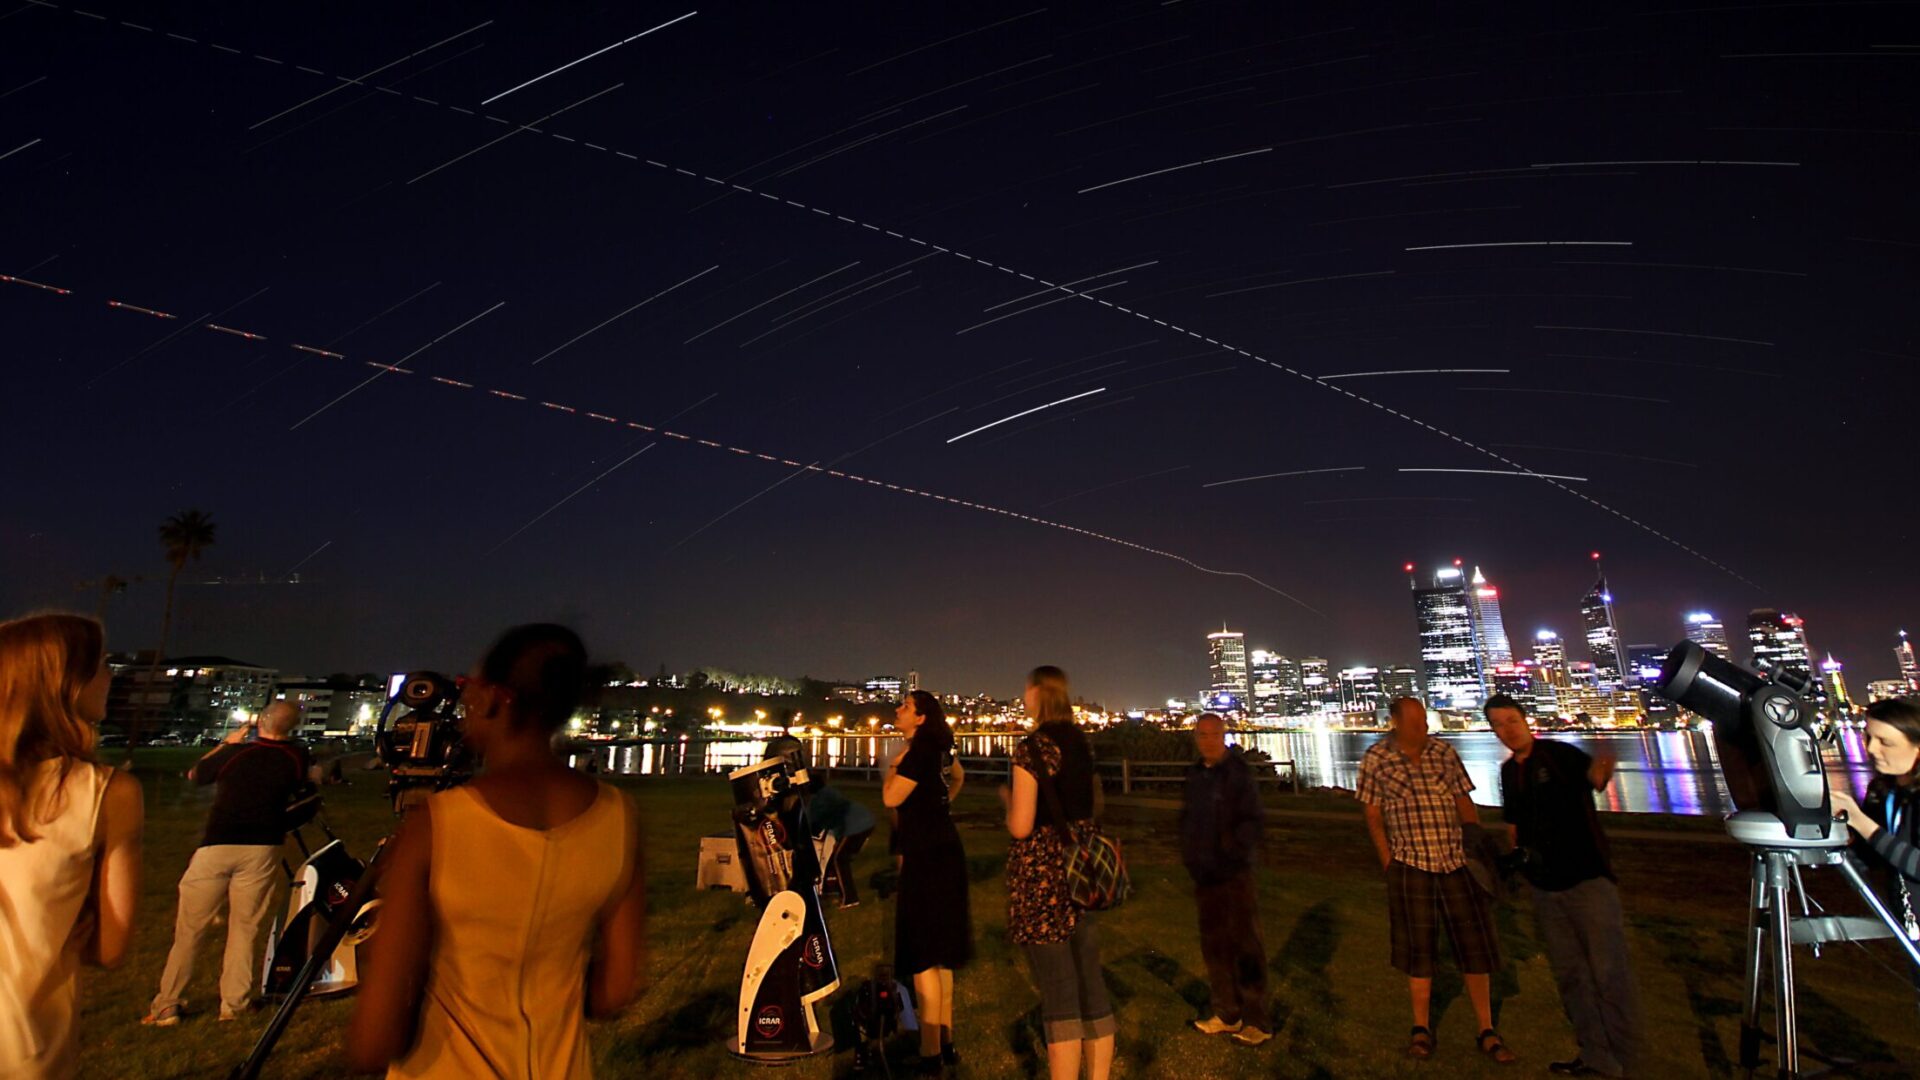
(1666, 772)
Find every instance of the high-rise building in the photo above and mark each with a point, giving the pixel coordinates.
(1449, 648)
(1398, 681)
(1909, 667)
(1550, 656)
(1361, 691)
(1882, 689)
(1643, 681)
(1834, 681)
(1779, 641)
(1268, 699)
(1489, 629)
(1513, 680)
(1319, 694)
(1705, 630)
(1603, 631)
(1227, 668)
(1292, 694)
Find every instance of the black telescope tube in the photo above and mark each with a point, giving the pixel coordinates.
(1704, 683)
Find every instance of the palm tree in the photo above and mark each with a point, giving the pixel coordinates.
(184, 535)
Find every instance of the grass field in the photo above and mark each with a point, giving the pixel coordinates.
(1341, 1011)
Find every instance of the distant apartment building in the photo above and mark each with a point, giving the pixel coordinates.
(187, 693)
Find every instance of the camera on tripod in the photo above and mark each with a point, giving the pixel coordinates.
(423, 748)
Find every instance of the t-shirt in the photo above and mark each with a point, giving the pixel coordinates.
(1416, 801)
(1549, 798)
(252, 784)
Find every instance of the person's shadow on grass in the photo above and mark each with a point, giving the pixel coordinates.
(1301, 1001)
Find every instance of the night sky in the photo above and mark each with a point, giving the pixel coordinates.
(1674, 249)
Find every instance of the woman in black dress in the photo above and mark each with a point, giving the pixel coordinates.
(934, 929)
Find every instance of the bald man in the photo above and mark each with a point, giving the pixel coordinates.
(237, 862)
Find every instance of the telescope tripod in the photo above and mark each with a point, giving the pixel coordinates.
(1773, 929)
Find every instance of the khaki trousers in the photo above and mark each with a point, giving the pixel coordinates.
(243, 876)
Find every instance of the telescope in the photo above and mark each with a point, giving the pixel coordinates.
(1768, 731)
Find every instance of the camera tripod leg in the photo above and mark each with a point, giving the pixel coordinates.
(1756, 961)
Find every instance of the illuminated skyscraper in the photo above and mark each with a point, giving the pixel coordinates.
(1489, 629)
(1779, 641)
(1909, 668)
(1643, 680)
(1835, 682)
(1449, 652)
(1398, 681)
(1882, 689)
(1292, 695)
(1268, 700)
(1227, 668)
(1550, 656)
(1360, 690)
(1318, 692)
(1706, 631)
(1603, 632)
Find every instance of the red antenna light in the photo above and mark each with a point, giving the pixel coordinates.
(1456, 562)
(1408, 568)
(1596, 556)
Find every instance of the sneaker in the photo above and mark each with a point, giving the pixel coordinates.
(166, 1017)
(1576, 1067)
(1248, 1035)
(1213, 1025)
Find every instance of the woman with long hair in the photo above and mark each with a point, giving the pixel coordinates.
(514, 904)
(1054, 793)
(933, 932)
(69, 838)
(1890, 823)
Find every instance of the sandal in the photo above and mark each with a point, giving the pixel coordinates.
(1491, 1045)
(1422, 1045)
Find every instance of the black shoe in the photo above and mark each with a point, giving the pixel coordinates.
(929, 1066)
(947, 1055)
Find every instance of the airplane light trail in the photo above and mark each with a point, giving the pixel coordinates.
(1502, 472)
(141, 310)
(588, 57)
(385, 368)
(827, 470)
(346, 82)
(1195, 334)
(1276, 475)
(1028, 412)
(11, 280)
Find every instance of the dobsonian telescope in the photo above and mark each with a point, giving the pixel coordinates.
(790, 966)
(1768, 732)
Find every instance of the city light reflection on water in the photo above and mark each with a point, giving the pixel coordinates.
(1668, 772)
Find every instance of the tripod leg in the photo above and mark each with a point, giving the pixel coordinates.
(1780, 927)
(1851, 869)
(1756, 960)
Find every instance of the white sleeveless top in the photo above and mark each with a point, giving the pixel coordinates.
(43, 885)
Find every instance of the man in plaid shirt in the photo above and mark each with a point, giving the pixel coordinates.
(1416, 795)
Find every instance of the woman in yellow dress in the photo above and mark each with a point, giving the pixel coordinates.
(514, 904)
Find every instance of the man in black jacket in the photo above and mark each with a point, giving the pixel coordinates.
(1220, 824)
